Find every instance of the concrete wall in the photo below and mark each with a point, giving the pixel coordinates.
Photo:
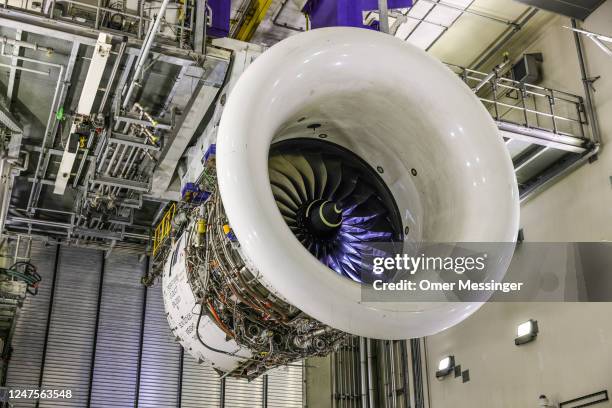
(571, 356)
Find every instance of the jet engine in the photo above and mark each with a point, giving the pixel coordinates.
(330, 142)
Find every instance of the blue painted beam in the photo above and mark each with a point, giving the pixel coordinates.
(347, 13)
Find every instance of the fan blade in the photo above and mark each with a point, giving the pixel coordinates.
(302, 165)
(320, 174)
(282, 197)
(283, 166)
(334, 177)
(283, 182)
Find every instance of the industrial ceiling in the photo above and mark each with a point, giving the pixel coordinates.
(150, 111)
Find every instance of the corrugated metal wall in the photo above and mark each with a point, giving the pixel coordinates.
(240, 393)
(285, 386)
(107, 340)
(201, 385)
(29, 337)
(160, 357)
(118, 341)
(73, 325)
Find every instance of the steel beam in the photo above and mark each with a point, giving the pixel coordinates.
(36, 189)
(140, 122)
(96, 233)
(528, 157)
(542, 137)
(588, 92)
(258, 8)
(199, 35)
(383, 16)
(45, 27)
(8, 120)
(72, 32)
(144, 53)
(121, 183)
(96, 69)
(128, 140)
(554, 173)
(14, 62)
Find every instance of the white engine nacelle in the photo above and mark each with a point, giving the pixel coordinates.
(400, 111)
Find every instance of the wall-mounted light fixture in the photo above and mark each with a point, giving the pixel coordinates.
(526, 332)
(445, 366)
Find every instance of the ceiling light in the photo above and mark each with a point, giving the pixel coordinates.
(445, 366)
(526, 332)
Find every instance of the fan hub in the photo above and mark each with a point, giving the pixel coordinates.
(323, 217)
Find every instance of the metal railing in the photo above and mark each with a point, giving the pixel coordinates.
(528, 105)
(163, 229)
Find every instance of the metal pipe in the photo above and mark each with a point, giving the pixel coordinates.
(363, 372)
(332, 363)
(495, 72)
(24, 44)
(340, 376)
(44, 223)
(586, 83)
(383, 16)
(383, 366)
(5, 196)
(33, 71)
(356, 367)
(520, 108)
(404, 373)
(392, 374)
(304, 384)
(371, 389)
(355, 372)
(141, 15)
(346, 385)
(144, 51)
(111, 79)
(531, 191)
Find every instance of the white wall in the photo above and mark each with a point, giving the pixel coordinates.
(572, 356)
(579, 207)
